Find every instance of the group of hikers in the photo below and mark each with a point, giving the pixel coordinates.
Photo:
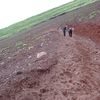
(70, 30)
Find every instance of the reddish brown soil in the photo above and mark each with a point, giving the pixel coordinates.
(89, 30)
(69, 71)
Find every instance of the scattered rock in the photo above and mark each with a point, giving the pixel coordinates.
(39, 55)
(2, 63)
(41, 44)
(14, 72)
(9, 58)
(77, 73)
(94, 58)
(55, 46)
(19, 72)
(50, 41)
(23, 68)
(89, 38)
(39, 68)
(30, 57)
(99, 52)
(29, 64)
(16, 66)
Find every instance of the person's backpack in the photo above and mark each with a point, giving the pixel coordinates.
(70, 30)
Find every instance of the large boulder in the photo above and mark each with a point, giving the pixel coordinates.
(39, 55)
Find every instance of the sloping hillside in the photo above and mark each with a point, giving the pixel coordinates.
(70, 69)
(77, 16)
(24, 25)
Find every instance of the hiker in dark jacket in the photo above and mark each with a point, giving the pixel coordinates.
(64, 31)
(70, 31)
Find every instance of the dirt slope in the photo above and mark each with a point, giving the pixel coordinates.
(69, 71)
(72, 16)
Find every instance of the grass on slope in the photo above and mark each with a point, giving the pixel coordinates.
(26, 24)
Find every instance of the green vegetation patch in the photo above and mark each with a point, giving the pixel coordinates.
(93, 14)
(71, 19)
(24, 44)
(33, 38)
(5, 56)
(81, 18)
(21, 44)
(34, 20)
(98, 11)
(39, 38)
(30, 47)
(6, 47)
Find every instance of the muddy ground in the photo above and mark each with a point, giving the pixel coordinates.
(69, 71)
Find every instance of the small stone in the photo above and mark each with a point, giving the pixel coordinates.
(2, 63)
(29, 64)
(55, 46)
(14, 72)
(10, 75)
(30, 57)
(9, 58)
(7, 78)
(39, 55)
(98, 52)
(50, 41)
(17, 66)
(77, 73)
(94, 58)
(39, 68)
(23, 68)
(41, 44)
(19, 72)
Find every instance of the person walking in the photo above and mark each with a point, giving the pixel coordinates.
(64, 31)
(70, 31)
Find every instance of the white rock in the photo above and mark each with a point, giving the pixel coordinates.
(50, 41)
(77, 73)
(29, 64)
(2, 63)
(41, 44)
(95, 59)
(16, 66)
(39, 55)
(30, 57)
(23, 68)
(14, 72)
(9, 58)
